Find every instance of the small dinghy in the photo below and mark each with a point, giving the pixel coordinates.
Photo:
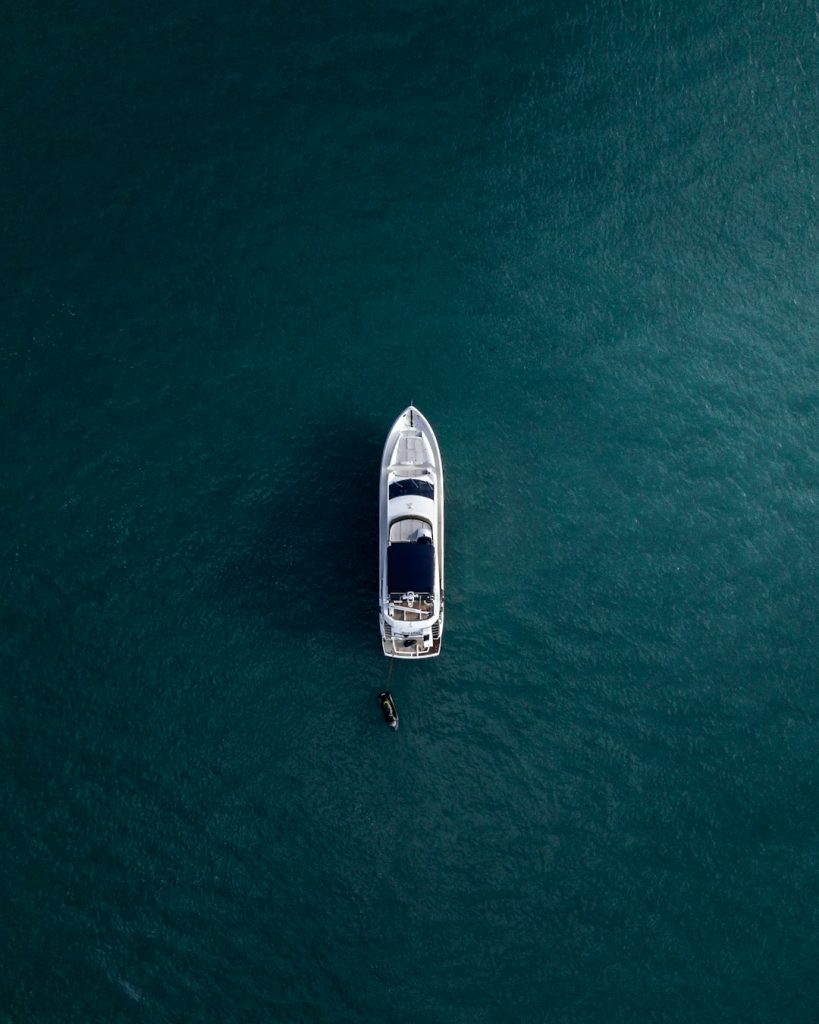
(388, 710)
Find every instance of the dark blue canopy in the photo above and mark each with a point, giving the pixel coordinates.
(410, 567)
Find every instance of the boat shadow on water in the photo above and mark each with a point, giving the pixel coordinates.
(312, 566)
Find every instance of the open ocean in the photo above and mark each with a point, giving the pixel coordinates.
(238, 240)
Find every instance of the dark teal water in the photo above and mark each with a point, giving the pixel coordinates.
(238, 240)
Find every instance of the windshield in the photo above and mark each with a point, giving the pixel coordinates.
(408, 488)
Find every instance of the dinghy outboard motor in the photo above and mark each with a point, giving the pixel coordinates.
(388, 710)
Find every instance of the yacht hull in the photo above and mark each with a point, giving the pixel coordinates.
(411, 540)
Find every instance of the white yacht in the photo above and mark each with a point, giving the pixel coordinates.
(411, 534)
